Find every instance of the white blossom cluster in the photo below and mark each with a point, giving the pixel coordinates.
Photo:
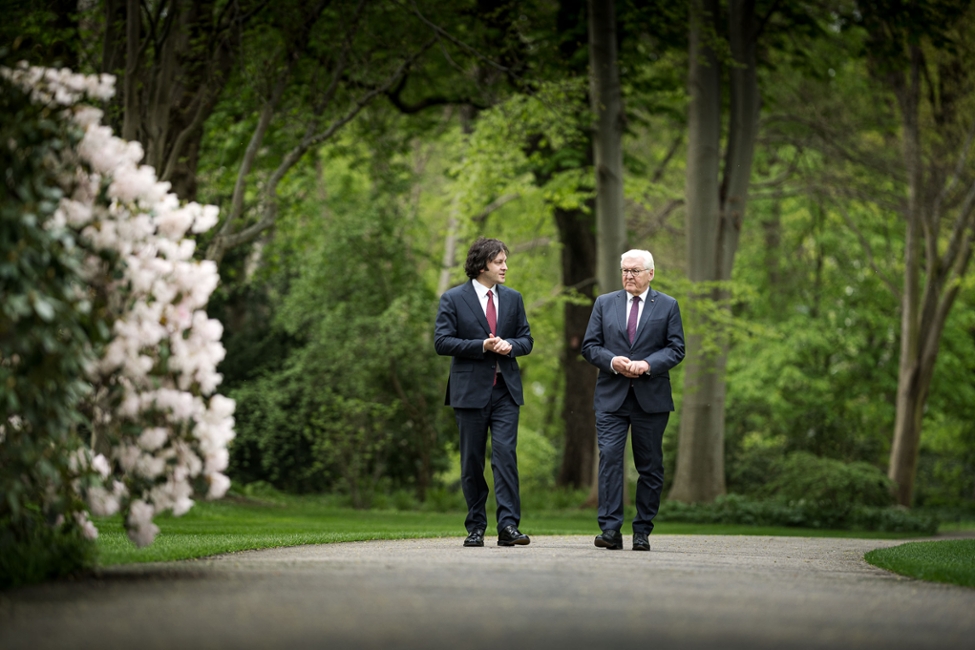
(160, 365)
(64, 87)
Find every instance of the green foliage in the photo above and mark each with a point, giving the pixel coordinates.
(271, 519)
(830, 484)
(949, 561)
(946, 468)
(735, 509)
(801, 489)
(32, 550)
(355, 405)
(537, 462)
(532, 145)
(47, 323)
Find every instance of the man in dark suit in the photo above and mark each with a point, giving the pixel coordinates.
(482, 325)
(635, 336)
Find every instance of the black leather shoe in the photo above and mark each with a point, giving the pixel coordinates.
(509, 536)
(475, 538)
(611, 539)
(641, 542)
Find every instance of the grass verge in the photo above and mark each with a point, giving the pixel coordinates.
(950, 561)
(212, 528)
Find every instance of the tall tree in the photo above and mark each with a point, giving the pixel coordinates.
(173, 61)
(716, 198)
(922, 52)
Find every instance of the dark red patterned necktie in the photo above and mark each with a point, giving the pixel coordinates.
(492, 319)
(634, 313)
(492, 315)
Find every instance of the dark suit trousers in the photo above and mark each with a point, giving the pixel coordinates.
(501, 417)
(648, 433)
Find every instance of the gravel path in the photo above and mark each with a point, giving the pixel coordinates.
(559, 592)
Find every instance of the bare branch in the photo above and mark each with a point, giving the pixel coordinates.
(559, 290)
(657, 217)
(199, 117)
(342, 60)
(532, 244)
(225, 241)
(956, 175)
(459, 43)
(961, 233)
(237, 199)
(494, 205)
(662, 167)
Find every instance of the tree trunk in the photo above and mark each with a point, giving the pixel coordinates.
(130, 102)
(449, 260)
(607, 107)
(576, 233)
(714, 216)
(907, 421)
(699, 475)
(173, 72)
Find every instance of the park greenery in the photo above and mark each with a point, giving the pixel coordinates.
(951, 561)
(800, 171)
(265, 518)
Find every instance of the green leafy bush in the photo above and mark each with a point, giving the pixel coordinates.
(537, 459)
(807, 491)
(46, 324)
(32, 550)
(735, 509)
(829, 483)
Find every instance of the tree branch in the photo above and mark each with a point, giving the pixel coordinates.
(670, 154)
(956, 175)
(784, 176)
(225, 241)
(459, 43)
(493, 206)
(868, 250)
(960, 234)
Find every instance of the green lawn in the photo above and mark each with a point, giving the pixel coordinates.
(951, 561)
(211, 528)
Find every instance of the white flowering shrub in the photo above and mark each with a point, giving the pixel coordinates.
(148, 350)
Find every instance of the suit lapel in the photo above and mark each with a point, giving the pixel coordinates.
(645, 316)
(470, 297)
(620, 310)
(503, 307)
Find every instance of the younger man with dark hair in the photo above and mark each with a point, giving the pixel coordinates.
(482, 325)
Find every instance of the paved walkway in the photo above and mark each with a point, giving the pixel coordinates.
(559, 592)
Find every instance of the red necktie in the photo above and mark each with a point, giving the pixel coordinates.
(492, 319)
(634, 314)
(492, 315)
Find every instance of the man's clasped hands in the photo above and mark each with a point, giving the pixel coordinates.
(631, 369)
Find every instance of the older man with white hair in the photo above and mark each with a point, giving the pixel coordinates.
(635, 336)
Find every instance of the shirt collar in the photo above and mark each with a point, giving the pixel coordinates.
(642, 296)
(482, 291)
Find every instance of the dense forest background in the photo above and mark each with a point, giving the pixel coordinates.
(357, 148)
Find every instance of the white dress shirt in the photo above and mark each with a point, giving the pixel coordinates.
(482, 293)
(639, 314)
(643, 303)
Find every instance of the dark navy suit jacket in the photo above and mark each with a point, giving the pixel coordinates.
(659, 342)
(460, 332)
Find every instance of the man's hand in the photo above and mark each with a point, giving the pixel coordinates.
(622, 366)
(497, 345)
(638, 368)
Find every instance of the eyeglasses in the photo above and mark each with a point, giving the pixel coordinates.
(633, 272)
